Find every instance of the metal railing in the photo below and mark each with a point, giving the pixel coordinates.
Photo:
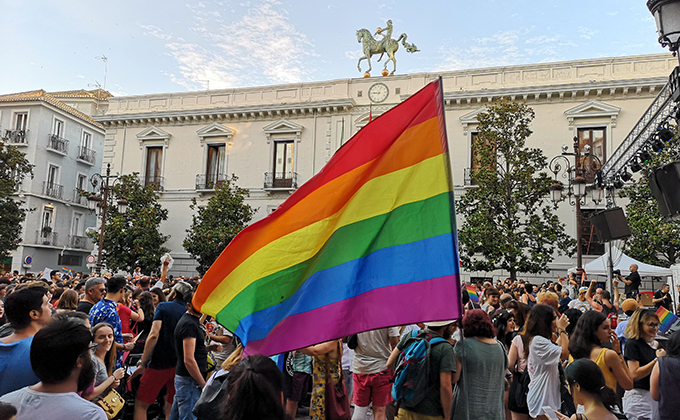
(86, 155)
(45, 236)
(285, 180)
(209, 181)
(57, 144)
(79, 199)
(156, 181)
(80, 242)
(15, 136)
(53, 190)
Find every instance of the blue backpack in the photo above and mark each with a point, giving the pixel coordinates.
(412, 379)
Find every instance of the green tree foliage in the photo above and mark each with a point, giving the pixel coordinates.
(216, 224)
(13, 169)
(654, 240)
(133, 239)
(509, 223)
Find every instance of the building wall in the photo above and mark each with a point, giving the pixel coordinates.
(320, 116)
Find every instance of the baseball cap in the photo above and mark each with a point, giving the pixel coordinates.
(629, 305)
(582, 290)
(438, 324)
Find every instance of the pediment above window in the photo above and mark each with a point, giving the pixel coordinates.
(153, 134)
(215, 130)
(283, 126)
(593, 108)
(471, 118)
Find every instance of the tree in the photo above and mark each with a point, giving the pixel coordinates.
(216, 224)
(653, 240)
(13, 169)
(133, 239)
(509, 224)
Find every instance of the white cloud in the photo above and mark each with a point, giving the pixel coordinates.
(586, 33)
(354, 55)
(155, 32)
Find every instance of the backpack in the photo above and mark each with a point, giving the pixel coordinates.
(412, 376)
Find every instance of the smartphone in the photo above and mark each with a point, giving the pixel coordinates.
(548, 411)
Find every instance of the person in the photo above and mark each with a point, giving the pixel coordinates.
(587, 387)
(159, 360)
(520, 311)
(60, 356)
(28, 310)
(106, 311)
(327, 358)
(628, 307)
(192, 362)
(224, 337)
(662, 298)
(581, 303)
(517, 364)
(481, 362)
(491, 300)
(94, 290)
(255, 389)
(632, 282)
(593, 329)
(564, 300)
(104, 359)
(601, 299)
(641, 353)
(158, 296)
(7, 411)
(504, 324)
(125, 313)
(302, 373)
(145, 303)
(371, 379)
(664, 383)
(439, 399)
(543, 357)
(68, 301)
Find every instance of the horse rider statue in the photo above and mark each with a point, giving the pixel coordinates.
(386, 45)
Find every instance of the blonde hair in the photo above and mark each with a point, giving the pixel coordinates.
(633, 329)
(546, 295)
(233, 358)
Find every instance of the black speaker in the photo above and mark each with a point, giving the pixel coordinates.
(664, 182)
(610, 224)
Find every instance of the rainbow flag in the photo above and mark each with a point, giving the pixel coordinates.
(65, 270)
(472, 292)
(666, 318)
(368, 242)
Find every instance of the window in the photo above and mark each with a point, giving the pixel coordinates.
(590, 242)
(86, 141)
(154, 160)
(81, 184)
(53, 175)
(21, 121)
(215, 165)
(77, 224)
(58, 128)
(71, 260)
(47, 218)
(596, 139)
(283, 164)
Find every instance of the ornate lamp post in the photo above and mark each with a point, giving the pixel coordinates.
(577, 175)
(99, 199)
(667, 16)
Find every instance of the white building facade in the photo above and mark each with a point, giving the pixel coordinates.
(274, 138)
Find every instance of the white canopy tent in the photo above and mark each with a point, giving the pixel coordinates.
(622, 262)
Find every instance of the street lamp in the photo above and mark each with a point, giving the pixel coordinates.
(577, 175)
(99, 200)
(667, 16)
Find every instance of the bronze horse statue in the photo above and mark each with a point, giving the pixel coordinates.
(387, 45)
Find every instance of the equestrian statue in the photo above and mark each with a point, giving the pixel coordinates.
(386, 45)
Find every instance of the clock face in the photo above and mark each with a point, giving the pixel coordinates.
(378, 92)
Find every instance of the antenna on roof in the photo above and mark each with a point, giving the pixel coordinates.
(106, 65)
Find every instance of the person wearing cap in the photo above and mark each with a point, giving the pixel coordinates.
(439, 400)
(628, 307)
(158, 363)
(581, 303)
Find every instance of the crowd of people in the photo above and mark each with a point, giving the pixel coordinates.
(135, 347)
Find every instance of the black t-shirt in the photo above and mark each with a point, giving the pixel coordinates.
(189, 326)
(641, 351)
(666, 303)
(169, 313)
(84, 306)
(635, 286)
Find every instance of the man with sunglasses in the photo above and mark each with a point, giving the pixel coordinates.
(94, 290)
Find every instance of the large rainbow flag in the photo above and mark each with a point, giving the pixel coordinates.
(368, 242)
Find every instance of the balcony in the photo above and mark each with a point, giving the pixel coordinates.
(53, 190)
(86, 155)
(57, 144)
(45, 236)
(79, 199)
(209, 182)
(280, 180)
(79, 242)
(16, 137)
(156, 181)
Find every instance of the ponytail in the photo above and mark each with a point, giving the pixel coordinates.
(589, 376)
(608, 397)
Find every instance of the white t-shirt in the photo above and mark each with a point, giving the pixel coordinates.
(373, 350)
(33, 405)
(581, 306)
(544, 388)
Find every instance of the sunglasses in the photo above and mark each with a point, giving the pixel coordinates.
(653, 325)
(102, 290)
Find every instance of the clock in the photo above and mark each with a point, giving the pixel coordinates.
(378, 92)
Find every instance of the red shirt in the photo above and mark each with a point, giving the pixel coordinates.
(124, 314)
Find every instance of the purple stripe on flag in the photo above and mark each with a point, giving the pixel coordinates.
(378, 308)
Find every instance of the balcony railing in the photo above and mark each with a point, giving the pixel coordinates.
(57, 144)
(15, 136)
(53, 190)
(86, 155)
(79, 199)
(46, 237)
(156, 181)
(209, 181)
(80, 242)
(283, 180)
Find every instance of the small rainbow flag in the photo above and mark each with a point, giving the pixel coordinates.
(666, 318)
(472, 292)
(65, 270)
(368, 242)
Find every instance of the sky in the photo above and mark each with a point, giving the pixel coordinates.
(184, 45)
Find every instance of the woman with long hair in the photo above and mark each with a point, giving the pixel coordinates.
(593, 329)
(104, 360)
(587, 387)
(158, 296)
(665, 380)
(544, 355)
(68, 301)
(520, 311)
(481, 362)
(641, 352)
(255, 390)
(504, 323)
(517, 365)
(145, 303)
